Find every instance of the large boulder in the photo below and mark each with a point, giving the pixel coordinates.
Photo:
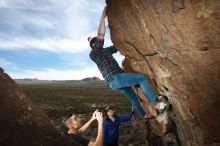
(176, 43)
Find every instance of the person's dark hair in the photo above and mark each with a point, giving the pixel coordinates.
(107, 118)
(92, 42)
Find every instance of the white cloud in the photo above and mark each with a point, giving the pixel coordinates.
(50, 25)
(58, 26)
(3, 4)
(69, 18)
(58, 45)
(48, 44)
(4, 62)
(52, 74)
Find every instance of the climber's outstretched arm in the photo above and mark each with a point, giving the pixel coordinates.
(101, 30)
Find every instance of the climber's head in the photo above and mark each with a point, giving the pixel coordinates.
(92, 41)
(73, 122)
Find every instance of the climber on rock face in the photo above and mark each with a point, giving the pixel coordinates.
(111, 126)
(116, 78)
(74, 126)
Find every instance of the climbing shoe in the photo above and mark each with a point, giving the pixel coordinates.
(162, 106)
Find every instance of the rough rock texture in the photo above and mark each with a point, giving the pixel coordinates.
(22, 123)
(177, 44)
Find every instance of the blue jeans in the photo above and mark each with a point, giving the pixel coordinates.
(124, 83)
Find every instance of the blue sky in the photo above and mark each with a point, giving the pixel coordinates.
(47, 39)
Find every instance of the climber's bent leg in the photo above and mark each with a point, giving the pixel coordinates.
(146, 87)
(134, 99)
(123, 80)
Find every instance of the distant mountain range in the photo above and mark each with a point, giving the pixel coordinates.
(37, 81)
(91, 79)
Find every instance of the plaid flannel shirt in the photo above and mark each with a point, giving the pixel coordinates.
(103, 58)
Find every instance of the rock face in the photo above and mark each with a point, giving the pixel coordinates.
(177, 44)
(22, 123)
